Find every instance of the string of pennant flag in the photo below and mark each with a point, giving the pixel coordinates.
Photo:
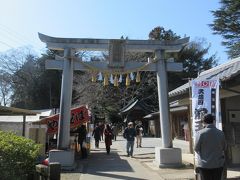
(115, 78)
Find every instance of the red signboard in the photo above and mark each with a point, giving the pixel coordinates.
(79, 115)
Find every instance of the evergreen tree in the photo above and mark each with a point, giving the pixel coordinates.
(193, 57)
(227, 23)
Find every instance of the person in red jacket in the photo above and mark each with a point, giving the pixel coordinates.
(108, 137)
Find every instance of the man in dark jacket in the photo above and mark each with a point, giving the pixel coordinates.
(210, 145)
(130, 134)
(97, 135)
(82, 133)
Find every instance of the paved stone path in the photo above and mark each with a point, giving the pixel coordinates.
(100, 166)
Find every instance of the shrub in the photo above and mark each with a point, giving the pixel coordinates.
(18, 156)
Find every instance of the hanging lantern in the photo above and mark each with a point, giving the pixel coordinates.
(127, 80)
(138, 78)
(116, 81)
(105, 81)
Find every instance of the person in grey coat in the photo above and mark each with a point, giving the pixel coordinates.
(210, 145)
(130, 134)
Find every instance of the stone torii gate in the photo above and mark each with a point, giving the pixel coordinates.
(164, 156)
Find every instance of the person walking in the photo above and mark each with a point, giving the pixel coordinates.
(139, 134)
(210, 145)
(97, 135)
(115, 132)
(130, 134)
(108, 137)
(101, 127)
(82, 133)
(186, 130)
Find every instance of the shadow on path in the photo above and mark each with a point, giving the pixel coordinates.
(100, 164)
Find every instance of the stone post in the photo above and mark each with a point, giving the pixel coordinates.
(162, 82)
(66, 100)
(165, 156)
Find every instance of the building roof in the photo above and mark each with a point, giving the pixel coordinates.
(224, 72)
(11, 111)
(129, 106)
(14, 118)
(143, 105)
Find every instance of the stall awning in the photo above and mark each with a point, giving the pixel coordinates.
(79, 116)
(12, 111)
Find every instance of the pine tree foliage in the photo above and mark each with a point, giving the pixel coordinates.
(227, 24)
(193, 57)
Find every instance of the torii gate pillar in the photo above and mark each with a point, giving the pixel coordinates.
(65, 102)
(165, 156)
(162, 82)
(63, 154)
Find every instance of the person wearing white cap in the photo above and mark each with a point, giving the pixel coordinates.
(130, 134)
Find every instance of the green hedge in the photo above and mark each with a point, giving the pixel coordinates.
(18, 156)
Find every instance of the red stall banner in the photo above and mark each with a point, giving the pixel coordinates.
(79, 116)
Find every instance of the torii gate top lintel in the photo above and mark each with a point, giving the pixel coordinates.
(57, 43)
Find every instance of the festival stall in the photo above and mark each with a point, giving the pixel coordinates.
(79, 116)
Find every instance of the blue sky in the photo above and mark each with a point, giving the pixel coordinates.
(21, 20)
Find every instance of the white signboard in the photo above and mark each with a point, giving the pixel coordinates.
(205, 100)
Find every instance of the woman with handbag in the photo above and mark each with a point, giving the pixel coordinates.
(108, 137)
